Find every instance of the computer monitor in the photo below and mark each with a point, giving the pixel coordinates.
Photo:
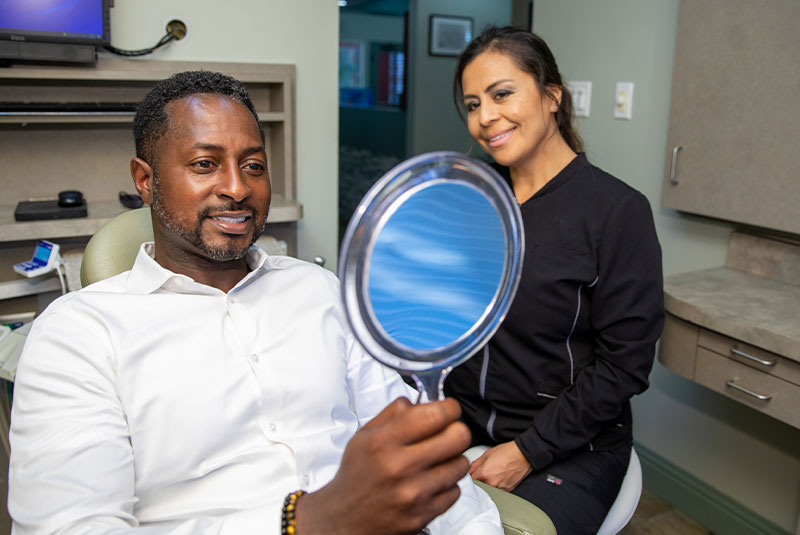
(53, 30)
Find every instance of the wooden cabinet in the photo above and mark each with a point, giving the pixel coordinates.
(767, 382)
(734, 329)
(49, 149)
(733, 112)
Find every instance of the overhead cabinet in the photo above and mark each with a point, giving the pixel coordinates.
(734, 124)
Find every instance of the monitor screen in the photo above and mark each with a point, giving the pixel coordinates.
(64, 21)
(42, 253)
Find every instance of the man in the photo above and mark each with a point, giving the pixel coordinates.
(194, 392)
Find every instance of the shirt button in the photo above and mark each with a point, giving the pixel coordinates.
(254, 357)
(306, 480)
(273, 427)
(178, 282)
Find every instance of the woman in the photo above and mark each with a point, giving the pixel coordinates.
(550, 392)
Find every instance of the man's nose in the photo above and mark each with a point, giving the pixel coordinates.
(233, 184)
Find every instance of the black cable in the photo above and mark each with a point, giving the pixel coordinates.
(143, 52)
(176, 30)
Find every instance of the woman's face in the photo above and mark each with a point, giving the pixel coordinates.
(506, 113)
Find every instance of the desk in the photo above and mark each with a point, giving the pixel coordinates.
(735, 329)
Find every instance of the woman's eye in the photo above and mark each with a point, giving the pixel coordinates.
(501, 94)
(471, 106)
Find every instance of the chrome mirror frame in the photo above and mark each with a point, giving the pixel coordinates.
(370, 218)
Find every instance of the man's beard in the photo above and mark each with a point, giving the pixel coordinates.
(194, 235)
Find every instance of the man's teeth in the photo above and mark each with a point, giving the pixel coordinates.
(240, 219)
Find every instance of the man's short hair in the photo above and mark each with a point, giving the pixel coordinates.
(152, 121)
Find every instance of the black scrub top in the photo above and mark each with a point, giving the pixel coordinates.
(579, 338)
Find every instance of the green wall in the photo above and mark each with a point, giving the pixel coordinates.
(748, 456)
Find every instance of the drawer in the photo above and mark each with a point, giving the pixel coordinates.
(677, 350)
(760, 359)
(715, 371)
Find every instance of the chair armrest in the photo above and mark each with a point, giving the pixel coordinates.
(519, 517)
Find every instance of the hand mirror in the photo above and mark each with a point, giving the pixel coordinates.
(430, 263)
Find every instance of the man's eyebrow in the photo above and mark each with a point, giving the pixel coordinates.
(255, 149)
(209, 147)
(213, 147)
(489, 87)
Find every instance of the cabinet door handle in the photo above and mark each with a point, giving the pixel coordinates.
(747, 391)
(741, 353)
(674, 165)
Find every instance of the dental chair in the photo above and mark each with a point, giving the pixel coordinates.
(113, 249)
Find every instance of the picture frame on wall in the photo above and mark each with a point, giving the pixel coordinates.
(448, 35)
(352, 64)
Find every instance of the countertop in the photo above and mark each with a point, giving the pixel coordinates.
(757, 310)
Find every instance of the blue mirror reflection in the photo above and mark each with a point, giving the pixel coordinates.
(437, 264)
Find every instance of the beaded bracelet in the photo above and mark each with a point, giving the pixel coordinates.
(288, 521)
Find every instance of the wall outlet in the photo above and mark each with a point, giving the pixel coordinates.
(623, 100)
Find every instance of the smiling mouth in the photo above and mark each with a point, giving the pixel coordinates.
(232, 224)
(232, 220)
(500, 138)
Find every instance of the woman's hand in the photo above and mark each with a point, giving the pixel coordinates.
(503, 466)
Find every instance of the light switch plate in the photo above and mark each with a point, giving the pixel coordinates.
(623, 100)
(581, 93)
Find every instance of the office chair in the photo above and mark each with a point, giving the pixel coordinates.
(627, 499)
(621, 510)
(113, 249)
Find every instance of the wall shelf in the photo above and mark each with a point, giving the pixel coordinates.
(100, 212)
(43, 154)
(91, 152)
(125, 118)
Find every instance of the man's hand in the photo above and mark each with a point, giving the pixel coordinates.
(503, 466)
(399, 472)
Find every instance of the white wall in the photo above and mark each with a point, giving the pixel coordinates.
(751, 457)
(433, 123)
(305, 33)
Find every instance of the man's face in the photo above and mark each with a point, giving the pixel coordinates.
(211, 189)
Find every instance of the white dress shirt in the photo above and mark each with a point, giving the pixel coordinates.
(150, 403)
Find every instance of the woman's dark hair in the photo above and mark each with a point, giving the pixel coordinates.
(532, 55)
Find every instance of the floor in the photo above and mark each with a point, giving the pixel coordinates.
(655, 516)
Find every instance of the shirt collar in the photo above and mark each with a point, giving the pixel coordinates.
(147, 275)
